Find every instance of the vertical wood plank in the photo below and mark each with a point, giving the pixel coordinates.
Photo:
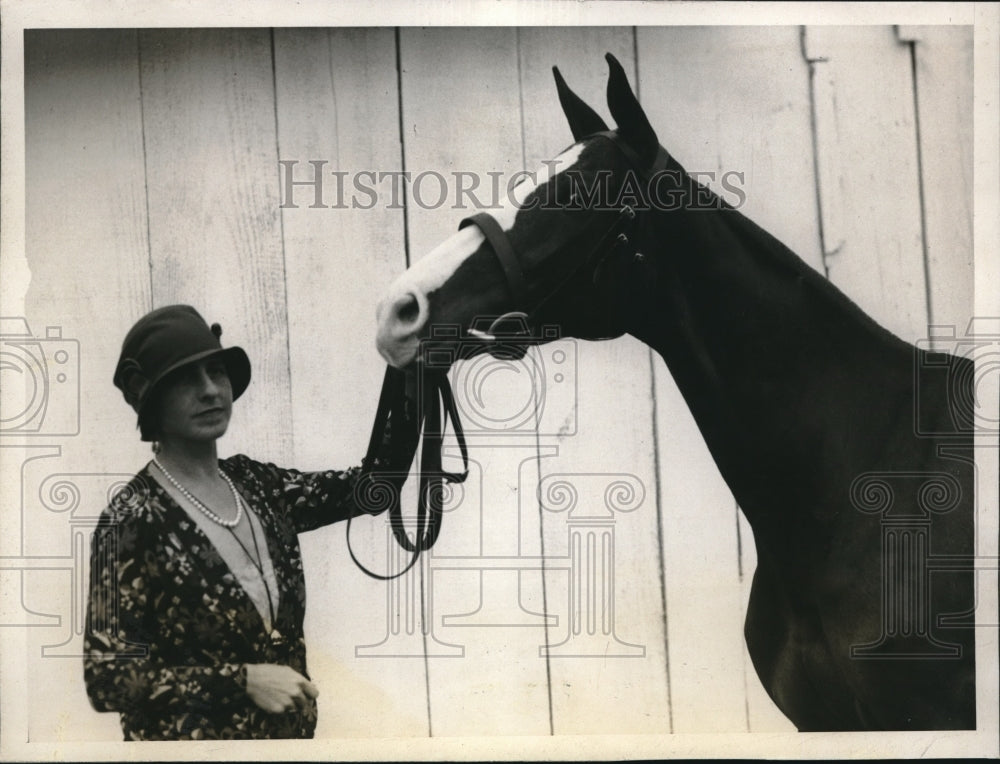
(736, 100)
(733, 104)
(214, 228)
(701, 567)
(86, 214)
(87, 250)
(336, 93)
(943, 68)
(461, 113)
(614, 680)
(866, 134)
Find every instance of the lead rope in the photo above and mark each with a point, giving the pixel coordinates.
(438, 407)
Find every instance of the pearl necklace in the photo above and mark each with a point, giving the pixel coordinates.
(205, 510)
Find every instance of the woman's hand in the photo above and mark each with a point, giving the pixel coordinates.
(278, 689)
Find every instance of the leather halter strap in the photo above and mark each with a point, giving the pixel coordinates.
(377, 493)
(498, 240)
(611, 240)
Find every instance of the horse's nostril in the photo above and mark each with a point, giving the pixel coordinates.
(407, 309)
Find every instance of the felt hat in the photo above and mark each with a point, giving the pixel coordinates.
(163, 341)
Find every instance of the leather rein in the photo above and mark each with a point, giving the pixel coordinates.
(427, 389)
(378, 491)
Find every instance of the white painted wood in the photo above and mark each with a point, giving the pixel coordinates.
(86, 221)
(611, 677)
(829, 158)
(943, 58)
(867, 89)
(214, 229)
(87, 251)
(336, 94)
(461, 113)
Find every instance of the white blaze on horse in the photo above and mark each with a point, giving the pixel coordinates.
(808, 407)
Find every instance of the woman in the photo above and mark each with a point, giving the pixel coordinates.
(197, 595)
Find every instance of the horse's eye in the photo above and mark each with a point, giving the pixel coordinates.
(563, 192)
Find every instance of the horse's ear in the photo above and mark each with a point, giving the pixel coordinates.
(582, 119)
(632, 123)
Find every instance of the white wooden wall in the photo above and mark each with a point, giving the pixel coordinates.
(152, 177)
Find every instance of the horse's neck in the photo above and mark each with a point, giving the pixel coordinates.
(777, 366)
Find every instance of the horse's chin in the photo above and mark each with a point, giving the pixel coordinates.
(400, 354)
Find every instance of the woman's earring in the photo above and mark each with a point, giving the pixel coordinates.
(156, 446)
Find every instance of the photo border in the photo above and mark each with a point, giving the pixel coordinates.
(18, 16)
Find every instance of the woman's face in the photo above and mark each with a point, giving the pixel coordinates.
(196, 402)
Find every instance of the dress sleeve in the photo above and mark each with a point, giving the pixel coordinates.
(315, 499)
(119, 673)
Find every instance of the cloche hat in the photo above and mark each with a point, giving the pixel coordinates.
(166, 339)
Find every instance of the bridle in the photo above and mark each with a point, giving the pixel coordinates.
(427, 388)
(614, 241)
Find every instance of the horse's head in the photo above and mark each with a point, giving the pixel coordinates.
(554, 254)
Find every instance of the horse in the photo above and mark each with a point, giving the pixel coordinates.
(849, 451)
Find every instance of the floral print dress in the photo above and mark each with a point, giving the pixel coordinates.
(170, 630)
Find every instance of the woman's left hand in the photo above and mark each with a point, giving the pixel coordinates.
(279, 689)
